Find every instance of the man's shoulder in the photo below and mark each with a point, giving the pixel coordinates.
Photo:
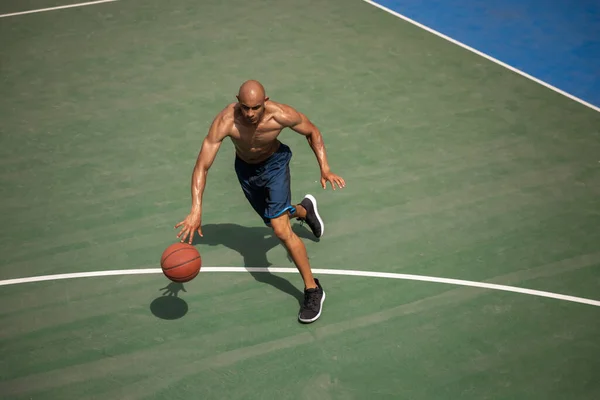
(282, 113)
(226, 115)
(223, 122)
(277, 107)
(228, 112)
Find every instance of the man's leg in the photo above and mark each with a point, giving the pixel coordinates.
(254, 194)
(278, 208)
(295, 247)
(314, 295)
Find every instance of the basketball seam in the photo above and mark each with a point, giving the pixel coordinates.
(179, 265)
(175, 251)
(185, 278)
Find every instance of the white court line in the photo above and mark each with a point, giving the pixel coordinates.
(56, 8)
(456, 42)
(343, 272)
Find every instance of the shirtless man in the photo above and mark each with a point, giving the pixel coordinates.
(262, 166)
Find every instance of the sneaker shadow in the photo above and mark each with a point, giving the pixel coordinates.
(253, 243)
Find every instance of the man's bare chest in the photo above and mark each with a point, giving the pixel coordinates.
(256, 136)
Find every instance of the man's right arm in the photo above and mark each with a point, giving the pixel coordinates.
(210, 146)
(208, 152)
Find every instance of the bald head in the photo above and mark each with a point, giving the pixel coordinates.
(251, 97)
(251, 93)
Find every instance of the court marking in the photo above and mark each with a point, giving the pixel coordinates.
(482, 54)
(343, 272)
(56, 8)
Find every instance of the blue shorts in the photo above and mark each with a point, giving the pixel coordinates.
(267, 185)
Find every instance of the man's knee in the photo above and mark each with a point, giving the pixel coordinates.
(282, 228)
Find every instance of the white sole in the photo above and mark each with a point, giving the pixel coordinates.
(314, 203)
(316, 317)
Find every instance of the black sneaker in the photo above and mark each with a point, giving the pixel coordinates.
(313, 219)
(313, 304)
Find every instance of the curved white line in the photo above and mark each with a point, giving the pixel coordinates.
(56, 8)
(344, 272)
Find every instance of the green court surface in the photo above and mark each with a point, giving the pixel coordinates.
(455, 167)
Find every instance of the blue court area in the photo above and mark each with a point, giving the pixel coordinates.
(555, 41)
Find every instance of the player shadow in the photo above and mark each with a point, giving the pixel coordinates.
(253, 243)
(169, 305)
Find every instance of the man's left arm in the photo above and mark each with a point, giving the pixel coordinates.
(300, 123)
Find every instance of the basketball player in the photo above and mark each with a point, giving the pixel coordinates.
(262, 167)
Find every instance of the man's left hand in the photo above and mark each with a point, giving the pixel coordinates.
(333, 179)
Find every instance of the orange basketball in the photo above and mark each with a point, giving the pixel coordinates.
(181, 262)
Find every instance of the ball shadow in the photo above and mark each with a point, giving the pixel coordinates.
(169, 306)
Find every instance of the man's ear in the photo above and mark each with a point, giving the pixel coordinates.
(237, 97)
(266, 98)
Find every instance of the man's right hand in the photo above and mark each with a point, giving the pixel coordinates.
(190, 224)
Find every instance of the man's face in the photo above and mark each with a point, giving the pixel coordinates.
(252, 109)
